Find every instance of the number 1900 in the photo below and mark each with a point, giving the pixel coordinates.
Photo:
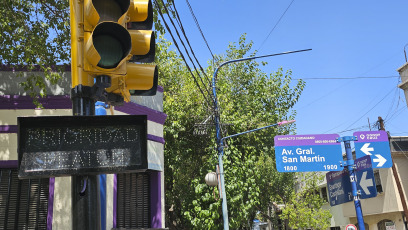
(290, 168)
(330, 167)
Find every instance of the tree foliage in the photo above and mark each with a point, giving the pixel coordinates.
(35, 37)
(303, 208)
(248, 98)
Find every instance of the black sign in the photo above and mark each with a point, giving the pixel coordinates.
(79, 145)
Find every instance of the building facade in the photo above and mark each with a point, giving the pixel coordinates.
(385, 211)
(133, 200)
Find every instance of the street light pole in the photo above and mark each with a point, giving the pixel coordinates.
(220, 140)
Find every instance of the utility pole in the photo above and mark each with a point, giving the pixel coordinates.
(396, 176)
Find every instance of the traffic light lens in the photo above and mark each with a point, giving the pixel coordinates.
(112, 42)
(111, 10)
(110, 50)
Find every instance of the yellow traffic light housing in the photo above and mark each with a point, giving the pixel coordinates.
(110, 39)
(141, 80)
(107, 44)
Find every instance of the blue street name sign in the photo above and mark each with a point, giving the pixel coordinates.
(339, 183)
(376, 145)
(339, 187)
(365, 177)
(308, 153)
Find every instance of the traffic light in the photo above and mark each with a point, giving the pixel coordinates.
(107, 41)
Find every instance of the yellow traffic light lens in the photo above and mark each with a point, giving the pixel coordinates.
(112, 42)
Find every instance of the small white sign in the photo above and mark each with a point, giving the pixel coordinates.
(351, 227)
(390, 226)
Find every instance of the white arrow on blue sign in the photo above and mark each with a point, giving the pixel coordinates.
(376, 145)
(365, 177)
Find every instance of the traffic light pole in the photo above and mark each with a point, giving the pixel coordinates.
(220, 143)
(85, 190)
(101, 111)
(353, 179)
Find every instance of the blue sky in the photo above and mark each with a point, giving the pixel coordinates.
(349, 39)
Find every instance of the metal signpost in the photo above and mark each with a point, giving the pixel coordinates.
(350, 167)
(322, 152)
(376, 145)
(305, 153)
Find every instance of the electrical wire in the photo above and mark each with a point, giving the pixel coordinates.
(371, 108)
(396, 114)
(358, 128)
(177, 16)
(342, 78)
(181, 54)
(199, 28)
(185, 48)
(276, 24)
(393, 102)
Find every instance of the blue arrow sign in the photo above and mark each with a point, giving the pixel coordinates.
(308, 153)
(376, 145)
(365, 177)
(339, 187)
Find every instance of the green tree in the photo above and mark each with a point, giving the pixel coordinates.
(303, 208)
(35, 35)
(248, 98)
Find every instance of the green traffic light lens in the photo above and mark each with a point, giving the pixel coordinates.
(113, 43)
(110, 49)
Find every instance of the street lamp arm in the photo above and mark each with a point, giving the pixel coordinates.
(220, 149)
(253, 130)
(263, 56)
(246, 59)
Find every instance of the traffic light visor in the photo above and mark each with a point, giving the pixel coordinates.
(143, 45)
(142, 79)
(112, 43)
(141, 14)
(96, 11)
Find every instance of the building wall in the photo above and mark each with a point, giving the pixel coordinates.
(14, 103)
(403, 71)
(386, 206)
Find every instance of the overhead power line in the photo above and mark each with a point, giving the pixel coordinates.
(198, 26)
(177, 16)
(342, 78)
(181, 54)
(371, 108)
(276, 25)
(185, 48)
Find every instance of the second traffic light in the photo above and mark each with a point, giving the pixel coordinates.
(109, 46)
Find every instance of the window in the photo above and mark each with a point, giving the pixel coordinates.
(23, 203)
(133, 200)
(383, 224)
(377, 180)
